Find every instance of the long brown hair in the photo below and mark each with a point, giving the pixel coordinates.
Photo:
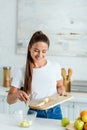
(36, 37)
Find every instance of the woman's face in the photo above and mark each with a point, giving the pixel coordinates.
(38, 51)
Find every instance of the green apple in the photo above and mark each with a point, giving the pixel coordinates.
(65, 121)
(79, 124)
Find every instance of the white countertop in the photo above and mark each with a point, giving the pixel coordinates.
(3, 91)
(78, 97)
(8, 122)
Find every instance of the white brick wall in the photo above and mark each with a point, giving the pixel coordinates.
(8, 56)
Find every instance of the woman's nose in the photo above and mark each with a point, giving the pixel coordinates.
(40, 54)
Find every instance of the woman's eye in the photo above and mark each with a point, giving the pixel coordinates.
(39, 51)
(36, 51)
(44, 52)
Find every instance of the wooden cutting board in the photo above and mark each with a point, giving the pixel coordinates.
(70, 127)
(50, 101)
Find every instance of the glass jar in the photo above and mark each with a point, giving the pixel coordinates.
(6, 77)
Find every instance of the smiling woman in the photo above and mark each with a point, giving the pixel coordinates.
(40, 76)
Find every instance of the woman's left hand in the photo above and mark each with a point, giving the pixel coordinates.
(61, 91)
(60, 88)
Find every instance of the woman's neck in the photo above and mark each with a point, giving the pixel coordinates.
(40, 64)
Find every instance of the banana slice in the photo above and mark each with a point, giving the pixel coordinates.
(44, 101)
(25, 123)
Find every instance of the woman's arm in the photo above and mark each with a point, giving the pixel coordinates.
(60, 88)
(16, 94)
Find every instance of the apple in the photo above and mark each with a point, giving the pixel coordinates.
(84, 118)
(79, 124)
(65, 121)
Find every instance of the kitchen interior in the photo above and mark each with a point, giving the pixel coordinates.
(67, 30)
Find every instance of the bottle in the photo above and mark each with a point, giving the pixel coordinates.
(6, 77)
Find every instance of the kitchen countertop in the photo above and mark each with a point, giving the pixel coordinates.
(3, 91)
(78, 97)
(8, 122)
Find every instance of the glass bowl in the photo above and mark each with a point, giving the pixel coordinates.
(23, 119)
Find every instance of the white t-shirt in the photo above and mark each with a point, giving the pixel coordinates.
(44, 80)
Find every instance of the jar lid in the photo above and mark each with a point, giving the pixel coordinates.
(6, 67)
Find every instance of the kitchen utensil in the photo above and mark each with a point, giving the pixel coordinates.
(21, 117)
(31, 98)
(66, 79)
(51, 102)
(63, 73)
(69, 73)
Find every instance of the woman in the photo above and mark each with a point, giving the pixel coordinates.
(42, 78)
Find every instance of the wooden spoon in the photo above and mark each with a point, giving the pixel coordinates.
(63, 73)
(69, 73)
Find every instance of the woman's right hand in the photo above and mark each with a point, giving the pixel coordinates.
(15, 94)
(22, 96)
